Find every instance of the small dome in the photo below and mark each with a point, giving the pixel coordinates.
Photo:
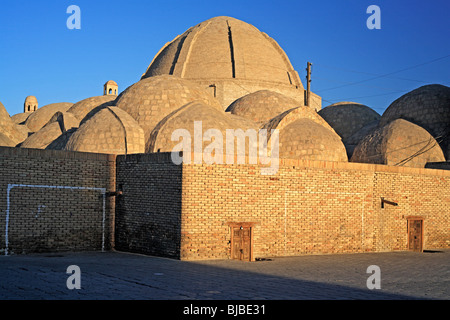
(261, 106)
(111, 130)
(346, 118)
(40, 118)
(352, 141)
(285, 118)
(42, 138)
(150, 100)
(306, 139)
(184, 118)
(83, 107)
(399, 142)
(111, 83)
(57, 125)
(428, 107)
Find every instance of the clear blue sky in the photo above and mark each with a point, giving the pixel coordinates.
(40, 56)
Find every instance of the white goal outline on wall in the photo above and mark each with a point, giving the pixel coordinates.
(12, 186)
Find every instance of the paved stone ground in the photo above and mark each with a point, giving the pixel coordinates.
(125, 276)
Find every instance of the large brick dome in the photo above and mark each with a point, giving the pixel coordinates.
(229, 56)
(207, 50)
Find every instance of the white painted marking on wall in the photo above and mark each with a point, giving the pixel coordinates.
(11, 186)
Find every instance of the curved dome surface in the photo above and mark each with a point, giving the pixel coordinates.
(111, 130)
(224, 48)
(20, 118)
(346, 118)
(289, 116)
(83, 107)
(428, 107)
(399, 142)
(40, 118)
(306, 139)
(150, 100)
(57, 125)
(9, 129)
(262, 105)
(5, 141)
(184, 118)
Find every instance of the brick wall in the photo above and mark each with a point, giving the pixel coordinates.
(311, 207)
(149, 211)
(53, 201)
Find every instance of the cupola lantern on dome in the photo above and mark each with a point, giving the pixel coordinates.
(110, 88)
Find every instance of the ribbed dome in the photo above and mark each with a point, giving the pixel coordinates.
(399, 142)
(428, 107)
(262, 105)
(150, 100)
(348, 117)
(111, 130)
(224, 48)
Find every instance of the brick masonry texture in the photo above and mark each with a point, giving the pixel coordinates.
(44, 219)
(186, 211)
(311, 207)
(149, 211)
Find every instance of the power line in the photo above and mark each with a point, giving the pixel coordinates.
(369, 73)
(385, 75)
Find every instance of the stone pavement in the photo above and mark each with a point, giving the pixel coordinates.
(126, 276)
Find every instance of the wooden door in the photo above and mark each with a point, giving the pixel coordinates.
(415, 234)
(241, 247)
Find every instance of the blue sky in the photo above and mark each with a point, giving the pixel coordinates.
(118, 39)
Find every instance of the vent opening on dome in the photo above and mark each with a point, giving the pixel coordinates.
(230, 40)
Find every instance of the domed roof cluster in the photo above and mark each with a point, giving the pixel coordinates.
(180, 90)
(428, 107)
(412, 131)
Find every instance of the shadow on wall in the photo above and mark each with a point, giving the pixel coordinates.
(148, 213)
